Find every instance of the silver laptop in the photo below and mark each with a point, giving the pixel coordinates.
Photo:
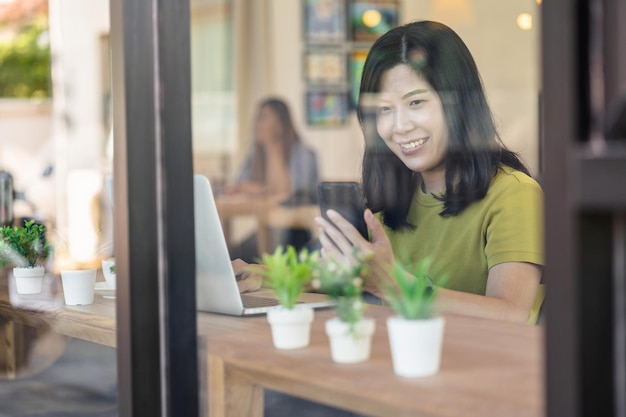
(216, 284)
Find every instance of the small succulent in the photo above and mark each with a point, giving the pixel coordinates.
(343, 283)
(287, 273)
(412, 295)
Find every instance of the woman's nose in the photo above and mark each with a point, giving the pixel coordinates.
(403, 122)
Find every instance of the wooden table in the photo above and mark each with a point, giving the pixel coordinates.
(488, 368)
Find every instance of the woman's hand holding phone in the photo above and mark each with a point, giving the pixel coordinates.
(339, 238)
(345, 198)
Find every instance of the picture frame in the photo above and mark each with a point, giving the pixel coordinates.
(326, 108)
(369, 19)
(356, 60)
(325, 21)
(325, 67)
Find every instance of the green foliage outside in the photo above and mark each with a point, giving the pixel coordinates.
(25, 63)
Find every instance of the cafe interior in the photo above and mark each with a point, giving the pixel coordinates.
(144, 97)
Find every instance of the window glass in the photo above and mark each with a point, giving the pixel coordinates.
(55, 122)
(289, 72)
(261, 70)
(309, 55)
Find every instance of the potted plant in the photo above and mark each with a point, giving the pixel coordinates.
(416, 332)
(26, 248)
(287, 274)
(108, 270)
(349, 333)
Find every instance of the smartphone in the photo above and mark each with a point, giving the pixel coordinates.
(346, 198)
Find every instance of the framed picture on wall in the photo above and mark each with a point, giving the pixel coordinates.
(325, 67)
(369, 19)
(324, 21)
(355, 69)
(326, 108)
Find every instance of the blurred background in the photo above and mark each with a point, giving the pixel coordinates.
(55, 91)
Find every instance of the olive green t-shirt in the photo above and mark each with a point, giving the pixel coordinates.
(505, 226)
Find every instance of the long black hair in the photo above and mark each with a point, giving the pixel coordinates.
(289, 136)
(475, 151)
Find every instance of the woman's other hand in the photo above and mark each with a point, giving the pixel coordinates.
(339, 242)
(246, 281)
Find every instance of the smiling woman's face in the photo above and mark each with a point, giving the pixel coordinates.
(410, 120)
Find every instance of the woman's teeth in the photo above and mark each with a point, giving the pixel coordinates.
(414, 144)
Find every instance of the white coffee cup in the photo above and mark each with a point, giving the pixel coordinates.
(106, 271)
(78, 286)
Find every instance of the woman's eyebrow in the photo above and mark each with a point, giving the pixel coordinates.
(414, 92)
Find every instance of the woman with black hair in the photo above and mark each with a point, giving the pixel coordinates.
(278, 162)
(281, 165)
(440, 181)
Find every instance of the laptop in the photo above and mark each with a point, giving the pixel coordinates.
(216, 284)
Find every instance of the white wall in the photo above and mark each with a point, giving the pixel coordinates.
(76, 29)
(26, 127)
(506, 56)
(339, 149)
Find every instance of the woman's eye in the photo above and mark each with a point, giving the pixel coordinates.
(383, 110)
(416, 102)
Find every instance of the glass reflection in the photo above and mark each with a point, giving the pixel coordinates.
(54, 115)
(59, 150)
(313, 62)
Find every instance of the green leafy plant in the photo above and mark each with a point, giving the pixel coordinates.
(287, 273)
(23, 246)
(412, 294)
(112, 269)
(343, 283)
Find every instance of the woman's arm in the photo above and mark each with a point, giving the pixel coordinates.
(277, 176)
(246, 187)
(511, 290)
(511, 286)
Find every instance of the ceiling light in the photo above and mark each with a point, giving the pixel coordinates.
(525, 21)
(371, 18)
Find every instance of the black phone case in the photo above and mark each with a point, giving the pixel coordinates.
(345, 198)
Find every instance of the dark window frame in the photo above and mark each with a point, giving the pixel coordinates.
(585, 209)
(154, 228)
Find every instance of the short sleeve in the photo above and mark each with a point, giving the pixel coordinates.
(514, 231)
(303, 170)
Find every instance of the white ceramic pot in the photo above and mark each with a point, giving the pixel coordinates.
(350, 345)
(291, 329)
(28, 280)
(109, 276)
(415, 345)
(78, 286)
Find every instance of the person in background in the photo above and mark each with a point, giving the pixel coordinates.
(281, 165)
(439, 182)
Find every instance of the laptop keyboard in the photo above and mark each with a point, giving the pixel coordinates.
(255, 302)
